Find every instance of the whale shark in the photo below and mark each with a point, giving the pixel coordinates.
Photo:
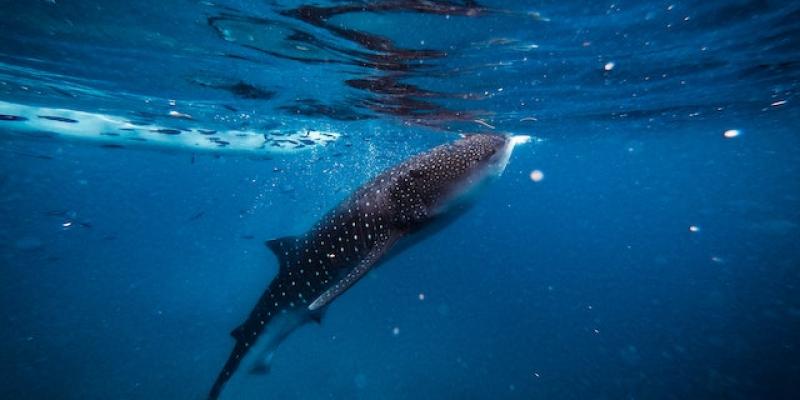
(378, 220)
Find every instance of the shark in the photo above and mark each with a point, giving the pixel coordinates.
(384, 216)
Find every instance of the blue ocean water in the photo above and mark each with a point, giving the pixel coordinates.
(147, 149)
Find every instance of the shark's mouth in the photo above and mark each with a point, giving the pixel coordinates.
(115, 131)
(505, 155)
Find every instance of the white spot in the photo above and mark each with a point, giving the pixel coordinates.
(396, 331)
(421, 296)
(731, 133)
(609, 66)
(778, 103)
(537, 175)
(694, 228)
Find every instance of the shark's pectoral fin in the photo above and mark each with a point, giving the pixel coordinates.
(354, 275)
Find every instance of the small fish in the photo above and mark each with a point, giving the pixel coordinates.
(59, 119)
(197, 216)
(6, 117)
(167, 131)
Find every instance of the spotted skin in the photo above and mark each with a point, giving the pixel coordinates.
(343, 245)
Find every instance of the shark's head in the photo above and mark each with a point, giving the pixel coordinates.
(458, 171)
(491, 152)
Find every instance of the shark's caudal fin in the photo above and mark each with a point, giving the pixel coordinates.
(262, 317)
(230, 366)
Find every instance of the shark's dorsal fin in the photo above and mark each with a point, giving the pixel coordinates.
(236, 333)
(284, 250)
(354, 275)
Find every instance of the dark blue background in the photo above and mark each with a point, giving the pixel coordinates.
(588, 284)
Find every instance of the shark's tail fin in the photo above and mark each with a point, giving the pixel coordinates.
(230, 366)
(284, 249)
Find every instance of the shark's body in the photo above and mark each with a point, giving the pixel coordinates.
(347, 242)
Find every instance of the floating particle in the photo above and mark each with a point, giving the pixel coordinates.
(172, 102)
(609, 66)
(717, 259)
(537, 16)
(536, 374)
(596, 331)
(361, 380)
(537, 175)
(396, 331)
(694, 228)
(484, 123)
(421, 296)
(176, 114)
(731, 133)
(778, 103)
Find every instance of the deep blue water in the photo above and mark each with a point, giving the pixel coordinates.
(657, 258)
